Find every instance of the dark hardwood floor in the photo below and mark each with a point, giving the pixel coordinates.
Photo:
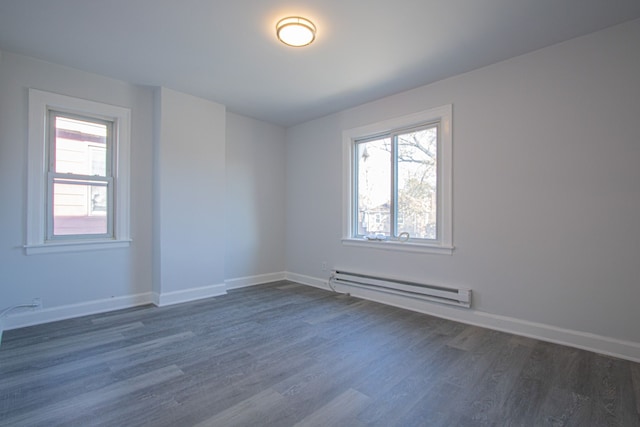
(284, 354)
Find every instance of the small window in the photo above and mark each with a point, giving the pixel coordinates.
(80, 180)
(398, 182)
(78, 174)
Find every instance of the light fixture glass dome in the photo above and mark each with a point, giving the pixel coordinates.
(296, 31)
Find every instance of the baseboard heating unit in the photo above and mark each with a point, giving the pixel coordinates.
(453, 296)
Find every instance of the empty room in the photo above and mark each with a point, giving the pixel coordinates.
(334, 213)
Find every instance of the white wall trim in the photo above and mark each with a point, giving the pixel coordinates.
(39, 104)
(242, 282)
(30, 317)
(186, 295)
(623, 349)
(443, 115)
(391, 245)
(307, 280)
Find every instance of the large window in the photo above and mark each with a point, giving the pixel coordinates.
(78, 183)
(399, 183)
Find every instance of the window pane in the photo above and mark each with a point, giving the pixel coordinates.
(417, 183)
(79, 209)
(80, 147)
(373, 190)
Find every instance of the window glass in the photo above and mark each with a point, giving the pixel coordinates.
(79, 209)
(80, 146)
(374, 187)
(417, 182)
(79, 180)
(397, 184)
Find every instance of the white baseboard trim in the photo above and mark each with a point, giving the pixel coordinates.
(186, 295)
(30, 317)
(628, 350)
(243, 282)
(307, 280)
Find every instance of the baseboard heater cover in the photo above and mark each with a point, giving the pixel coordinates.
(460, 297)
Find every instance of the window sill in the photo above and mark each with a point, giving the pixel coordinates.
(75, 246)
(390, 245)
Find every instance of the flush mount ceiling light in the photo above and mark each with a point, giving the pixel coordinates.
(296, 31)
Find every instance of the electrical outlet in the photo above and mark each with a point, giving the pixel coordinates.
(37, 303)
(324, 265)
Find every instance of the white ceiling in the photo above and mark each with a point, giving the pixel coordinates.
(226, 50)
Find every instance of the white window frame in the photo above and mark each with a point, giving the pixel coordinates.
(40, 103)
(53, 175)
(444, 242)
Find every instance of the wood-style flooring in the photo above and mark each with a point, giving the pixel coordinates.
(285, 354)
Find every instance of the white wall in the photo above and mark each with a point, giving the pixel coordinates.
(255, 203)
(82, 282)
(180, 205)
(189, 192)
(546, 193)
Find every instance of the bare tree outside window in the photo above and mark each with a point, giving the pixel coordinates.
(417, 182)
(397, 184)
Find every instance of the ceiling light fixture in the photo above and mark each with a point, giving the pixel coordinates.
(296, 31)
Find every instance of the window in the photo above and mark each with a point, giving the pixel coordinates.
(79, 179)
(398, 183)
(78, 176)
